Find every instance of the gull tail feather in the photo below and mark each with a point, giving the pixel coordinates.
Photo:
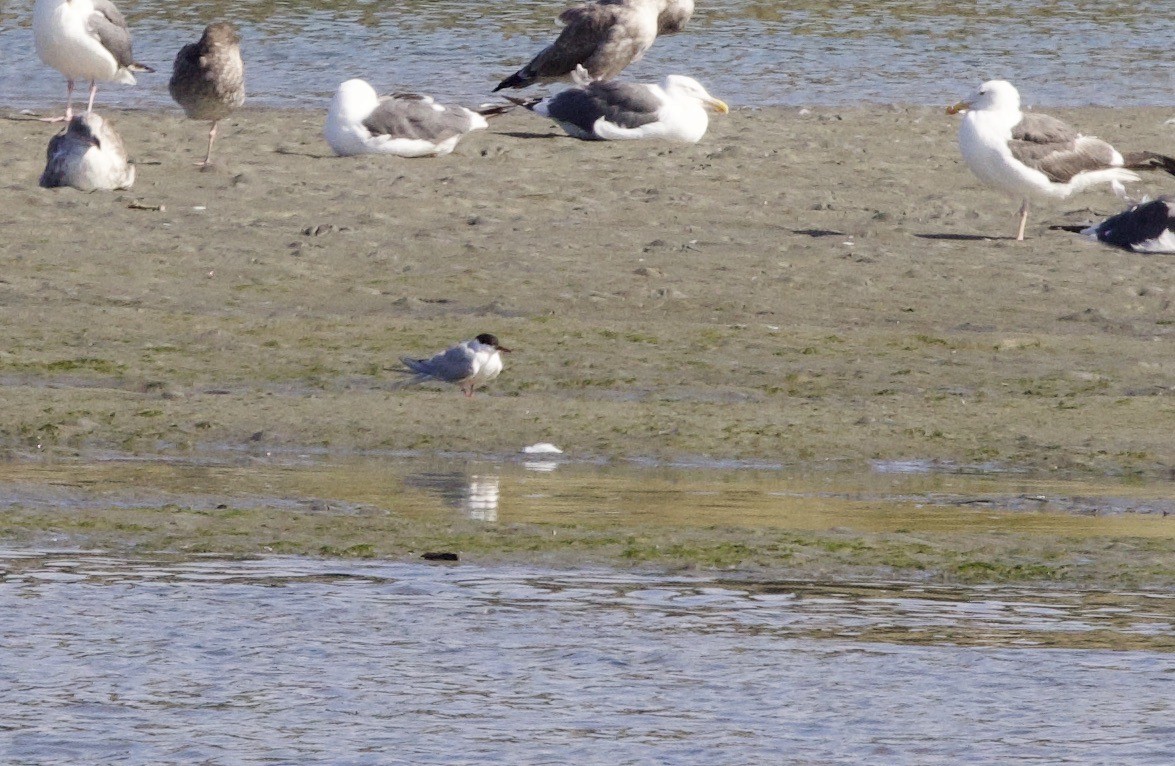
(497, 110)
(526, 103)
(1149, 161)
(520, 79)
(1083, 181)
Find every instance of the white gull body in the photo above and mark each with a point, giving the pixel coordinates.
(84, 40)
(406, 125)
(1030, 155)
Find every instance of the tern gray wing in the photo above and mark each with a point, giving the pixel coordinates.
(452, 365)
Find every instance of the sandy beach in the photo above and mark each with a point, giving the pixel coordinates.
(796, 288)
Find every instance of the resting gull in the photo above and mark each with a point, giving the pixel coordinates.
(208, 79)
(611, 111)
(1148, 227)
(88, 155)
(469, 364)
(604, 37)
(1028, 154)
(84, 40)
(406, 125)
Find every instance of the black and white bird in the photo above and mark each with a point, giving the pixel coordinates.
(88, 155)
(208, 78)
(84, 40)
(609, 110)
(406, 125)
(1033, 155)
(1148, 227)
(603, 37)
(469, 364)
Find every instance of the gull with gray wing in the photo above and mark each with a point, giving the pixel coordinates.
(84, 40)
(406, 124)
(1033, 155)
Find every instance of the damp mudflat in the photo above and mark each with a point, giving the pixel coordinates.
(910, 521)
(107, 658)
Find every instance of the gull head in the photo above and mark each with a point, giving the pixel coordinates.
(87, 128)
(220, 33)
(995, 95)
(677, 85)
(354, 101)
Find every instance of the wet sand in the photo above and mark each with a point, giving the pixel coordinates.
(796, 288)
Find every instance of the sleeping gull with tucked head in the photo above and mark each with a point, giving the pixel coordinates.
(87, 155)
(603, 37)
(469, 364)
(613, 111)
(208, 78)
(1034, 155)
(406, 125)
(1148, 227)
(84, 40)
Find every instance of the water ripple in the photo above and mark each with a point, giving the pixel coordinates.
(109, 659)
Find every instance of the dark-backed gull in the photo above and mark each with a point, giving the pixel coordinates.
(610, 110)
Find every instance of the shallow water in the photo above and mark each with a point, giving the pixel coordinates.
(749, 52)
(159, 658)
(106, 659)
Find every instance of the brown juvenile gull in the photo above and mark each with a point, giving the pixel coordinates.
(405, 124)
(1029, 154)
(208, 79)
(88, 155)
(1148, 227)
(469, 364)
(84, 40)
(612, 111)
(603, 37)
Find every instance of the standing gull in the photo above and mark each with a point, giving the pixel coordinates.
(613, 111)
(208, 79)
(1027, 154)
(469, 364)
(603, 37)
(1148, 227)
(87, 155)
(406, 125)
(84, 40)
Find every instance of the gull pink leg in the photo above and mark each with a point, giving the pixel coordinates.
(1023, 221)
